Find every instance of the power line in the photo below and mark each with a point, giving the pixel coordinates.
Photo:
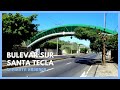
(54, 21)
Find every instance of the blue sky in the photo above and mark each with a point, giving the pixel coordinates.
(49, 20)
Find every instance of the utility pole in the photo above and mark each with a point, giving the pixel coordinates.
(104, 39)
(71, 48)
(79, 48)
(71, 45)
(57, 46)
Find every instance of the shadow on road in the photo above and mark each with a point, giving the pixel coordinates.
(88, 61)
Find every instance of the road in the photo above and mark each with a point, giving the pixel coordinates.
(62, 68)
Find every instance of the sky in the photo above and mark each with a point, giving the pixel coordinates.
(50, 20)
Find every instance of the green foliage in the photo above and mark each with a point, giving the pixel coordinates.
(86, 33)
(112, 42)
(50, 44)
(16, 28)
(18, 25)
(96, 45)
(62, 45)
(83, 50)
(96, 38)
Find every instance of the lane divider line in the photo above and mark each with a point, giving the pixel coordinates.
(68, 63)
(44, 71)
(47, 70)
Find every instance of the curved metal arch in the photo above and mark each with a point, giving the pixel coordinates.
(65, 28)
(51, 35)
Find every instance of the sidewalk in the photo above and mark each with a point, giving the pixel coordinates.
(108, 70)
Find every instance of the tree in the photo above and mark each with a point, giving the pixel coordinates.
(19, 26)
(16, 28)
(96, 45)
(50, 45)
(111, 43)
(86, 33)
(96, 39)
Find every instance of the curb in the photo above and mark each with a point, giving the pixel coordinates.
(96, 70)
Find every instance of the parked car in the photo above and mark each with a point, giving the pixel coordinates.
(85, 61)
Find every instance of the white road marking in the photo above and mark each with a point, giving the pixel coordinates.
(89, 69)
(68, 63)
(84, 74)
(44, 71)
(47, 70)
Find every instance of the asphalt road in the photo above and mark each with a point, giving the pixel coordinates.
(62, 68)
